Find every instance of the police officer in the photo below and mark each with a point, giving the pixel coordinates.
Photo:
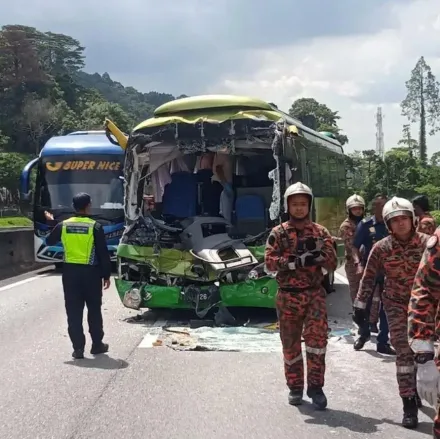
(86, 271)
(299, 250)
(368, 232)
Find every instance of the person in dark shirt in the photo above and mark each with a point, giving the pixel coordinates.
(86, 271)
(368, 232)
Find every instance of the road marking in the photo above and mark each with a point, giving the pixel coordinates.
(21, 282)
(152, 335)
(147, 341)
(341, 278)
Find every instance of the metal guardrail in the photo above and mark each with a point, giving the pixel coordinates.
(6, 212)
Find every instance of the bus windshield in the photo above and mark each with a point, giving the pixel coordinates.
(99, 176)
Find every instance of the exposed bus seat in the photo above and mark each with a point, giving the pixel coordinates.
(250, 214)
(180, 196)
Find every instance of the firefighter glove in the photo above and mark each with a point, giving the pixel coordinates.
(427, 382)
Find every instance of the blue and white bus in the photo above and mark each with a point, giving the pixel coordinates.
(83, 161)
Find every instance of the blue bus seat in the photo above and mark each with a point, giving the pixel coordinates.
(180, 196)
(250, 214)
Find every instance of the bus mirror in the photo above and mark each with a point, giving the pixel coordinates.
(27, 197)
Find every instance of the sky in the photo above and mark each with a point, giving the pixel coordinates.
(352, 55)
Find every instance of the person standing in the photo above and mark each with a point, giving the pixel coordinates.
(368, 232)
(355, 206)
(397, 256)
(298, 250)
(86, 271)
(425, 221)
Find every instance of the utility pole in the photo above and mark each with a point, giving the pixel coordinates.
(380, 148)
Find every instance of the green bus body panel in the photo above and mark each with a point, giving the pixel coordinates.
(259, 293)
(210, 101)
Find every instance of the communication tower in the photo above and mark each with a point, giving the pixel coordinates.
(380, 149)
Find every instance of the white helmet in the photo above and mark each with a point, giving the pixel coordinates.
(297, 189)
(396, 207)
(354, 201)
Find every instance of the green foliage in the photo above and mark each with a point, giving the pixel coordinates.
(317, 116)
(436, 215)
(15, 221)
(11, 165)
(45, 92)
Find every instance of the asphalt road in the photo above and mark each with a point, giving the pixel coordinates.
(139, 391)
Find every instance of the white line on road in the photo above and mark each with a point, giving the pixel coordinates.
(21, 282)
(341, 278)
(152, 334)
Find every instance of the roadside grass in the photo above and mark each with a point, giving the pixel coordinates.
(15, 221)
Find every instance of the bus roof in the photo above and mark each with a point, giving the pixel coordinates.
(82, 142)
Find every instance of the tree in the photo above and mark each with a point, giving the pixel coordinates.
(11, 165)
(422, 103)
(94, 115)
(408, 142)
(317, 116)
(44, 92)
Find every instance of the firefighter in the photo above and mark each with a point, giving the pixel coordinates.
(355, 206)
(425, 221)
(397, 257)
(86, 271)
(299, 250)
(368, 232)
(423, 321)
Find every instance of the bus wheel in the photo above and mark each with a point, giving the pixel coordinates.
(58, 267)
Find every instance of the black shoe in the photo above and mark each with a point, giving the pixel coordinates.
(99, 349)
(373, 328)
(318, 398)
(410, 411)
(360, 343)
(385, 349)
(295, 397)
(78, 354)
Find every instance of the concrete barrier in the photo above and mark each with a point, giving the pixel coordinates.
(17, 252)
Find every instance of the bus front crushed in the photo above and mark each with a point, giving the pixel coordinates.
(177, 250)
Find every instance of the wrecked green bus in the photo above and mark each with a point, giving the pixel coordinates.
(204, 184)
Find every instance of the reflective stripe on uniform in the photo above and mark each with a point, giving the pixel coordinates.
(78, 240)
(294, 360)
(316, 351)
(419, 346)
(405, 369)
(359, 304)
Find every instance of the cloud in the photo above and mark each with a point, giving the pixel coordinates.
(353, 74)
(352, 55)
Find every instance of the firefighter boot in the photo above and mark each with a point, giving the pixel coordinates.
(318, 397)
(410, 411)
(78, 354)
(99, 349)
(360, 343)
(418, 400)
(295, 397)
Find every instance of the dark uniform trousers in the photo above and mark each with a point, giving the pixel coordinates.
(83, 286)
